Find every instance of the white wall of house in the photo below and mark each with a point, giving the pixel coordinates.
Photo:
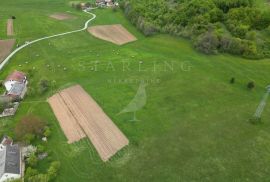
(8, 176)
(8, 84)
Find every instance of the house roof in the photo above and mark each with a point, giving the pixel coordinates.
(10, 160)
(16, 76)
(13, 159)
(16, 89)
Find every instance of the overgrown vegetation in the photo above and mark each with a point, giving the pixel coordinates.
(229, 26)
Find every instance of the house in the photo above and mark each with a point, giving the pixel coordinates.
(10, 160)
(17, 91)
(15, 77)
(104, 2)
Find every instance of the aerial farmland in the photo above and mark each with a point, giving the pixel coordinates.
(134, 90)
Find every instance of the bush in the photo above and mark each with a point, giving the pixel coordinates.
(232, 81)
(32, 160)
(43, 86)
(47, 132)
(53, 170)
(251, 85)
(40, 149)
(39, 178)
(255, 120)
(30, 172)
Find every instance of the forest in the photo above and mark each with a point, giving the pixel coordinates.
(214, 26)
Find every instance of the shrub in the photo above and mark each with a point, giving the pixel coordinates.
(232, 81)
(255, 120)
(30, 172)
(250, 85)
(53, 170)
(40, 149)
(43, 86)
(78, 6)
(39, 178)
(47, 132)
(32, 160)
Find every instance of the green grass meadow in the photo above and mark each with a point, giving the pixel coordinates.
(194, 126)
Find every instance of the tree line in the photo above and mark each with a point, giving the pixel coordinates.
(229, 26)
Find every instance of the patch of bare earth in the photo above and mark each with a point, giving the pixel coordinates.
(10, 31)
(75, 103)
(62, 16)
(69, 125)
(116, 34)
(5, 48)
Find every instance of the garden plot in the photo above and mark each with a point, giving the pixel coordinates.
(5, 48)
(10, 31)
(116, 34)
(76, 104)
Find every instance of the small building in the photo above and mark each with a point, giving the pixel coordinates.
(13, 78)
(17, 91)
(104, 3)
(10, 163)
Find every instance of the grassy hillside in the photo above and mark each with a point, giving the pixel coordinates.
(195, 124)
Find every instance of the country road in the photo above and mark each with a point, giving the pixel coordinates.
(6, 60)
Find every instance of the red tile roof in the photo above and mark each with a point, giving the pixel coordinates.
(16, 76)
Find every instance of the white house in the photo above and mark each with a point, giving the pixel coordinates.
(16, 77)
(10, 162)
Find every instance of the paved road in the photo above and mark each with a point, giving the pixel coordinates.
(47, 37)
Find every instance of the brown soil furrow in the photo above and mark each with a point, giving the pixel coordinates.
(10, 31)
(116, 34)
(91, 119)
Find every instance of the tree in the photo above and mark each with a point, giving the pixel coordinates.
(29, 126)
(207, 43)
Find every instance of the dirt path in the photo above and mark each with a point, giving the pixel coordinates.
(10, 31)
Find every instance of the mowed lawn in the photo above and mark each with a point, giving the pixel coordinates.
(194, 126)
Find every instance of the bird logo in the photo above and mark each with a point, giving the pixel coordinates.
(137, 103)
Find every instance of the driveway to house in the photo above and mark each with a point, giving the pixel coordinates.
(47, 37)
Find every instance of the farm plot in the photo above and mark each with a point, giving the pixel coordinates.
(5, 48)
(10, 31)
(75, 103)
(66, 120)
(62, 16)
(116, 34)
